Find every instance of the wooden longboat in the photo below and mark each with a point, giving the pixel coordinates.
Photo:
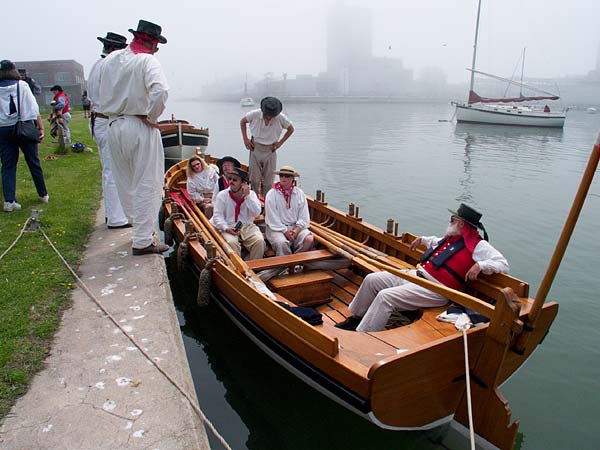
(410, 377)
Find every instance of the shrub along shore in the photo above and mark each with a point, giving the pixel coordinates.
(34, 284)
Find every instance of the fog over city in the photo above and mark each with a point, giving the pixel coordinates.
(210, 41)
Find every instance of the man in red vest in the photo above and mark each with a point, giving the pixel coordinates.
(452, 260)
(61, 107)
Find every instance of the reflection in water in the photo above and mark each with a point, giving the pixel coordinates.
(263, 406)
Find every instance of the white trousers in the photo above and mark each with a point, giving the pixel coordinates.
(381, 293)
(138, 161)
(250, 237)
(281, 246)
(112, 206)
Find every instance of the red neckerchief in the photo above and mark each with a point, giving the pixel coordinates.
(225, 182)
(287, 193)
(137, 46)
(470, 236)
(238, 204)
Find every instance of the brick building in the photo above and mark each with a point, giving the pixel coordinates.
(67, 73)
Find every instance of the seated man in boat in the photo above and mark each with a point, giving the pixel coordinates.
(235, 209)
(201, 182)
(226, 164)
(286, 215)
(452, 260)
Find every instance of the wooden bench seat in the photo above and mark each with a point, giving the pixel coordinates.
(289, 260)
(305, 288)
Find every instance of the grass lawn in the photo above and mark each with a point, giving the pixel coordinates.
(34, 285)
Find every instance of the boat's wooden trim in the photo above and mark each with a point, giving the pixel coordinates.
(289, 260)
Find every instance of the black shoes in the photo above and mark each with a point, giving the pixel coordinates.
(153, 248)
(118, 227)
(349, 324)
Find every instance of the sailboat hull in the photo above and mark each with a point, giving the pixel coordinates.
(508, 115)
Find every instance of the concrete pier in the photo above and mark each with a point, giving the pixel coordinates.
(98, 391)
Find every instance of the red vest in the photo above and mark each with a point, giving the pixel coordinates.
(62, 94)
(459, 262)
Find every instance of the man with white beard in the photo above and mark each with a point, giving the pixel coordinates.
(452, 260)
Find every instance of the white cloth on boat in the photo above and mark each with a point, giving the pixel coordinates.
(381, 293)
(113, 210)
(279, 219)
(200, 184)
(131, 85)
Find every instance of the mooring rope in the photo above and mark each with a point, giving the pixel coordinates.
(83, 286)
(10, 247)
(464, 327)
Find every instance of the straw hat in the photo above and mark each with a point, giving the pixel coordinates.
(287, 170)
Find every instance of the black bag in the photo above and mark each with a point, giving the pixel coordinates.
(25, 131)
(309, 315)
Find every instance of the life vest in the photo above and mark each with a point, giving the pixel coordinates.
(448, 262)
(62, 94)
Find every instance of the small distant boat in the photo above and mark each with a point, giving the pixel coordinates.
(502, 111)
(247, 102)
(181, 140)
(591, 110)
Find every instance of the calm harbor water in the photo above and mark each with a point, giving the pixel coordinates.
(404, 161)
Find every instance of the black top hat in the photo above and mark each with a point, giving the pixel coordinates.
(114, 40)
(271, 106)
(151, 29)
(220, 162)
(469, 215)
(240, 173)
(56, 87)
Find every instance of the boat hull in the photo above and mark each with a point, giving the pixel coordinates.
(503, 115)
(182, 141)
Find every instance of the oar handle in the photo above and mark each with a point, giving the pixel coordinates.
(567, 231)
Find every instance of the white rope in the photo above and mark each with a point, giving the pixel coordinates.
(187, 396)
(10, 247)
(464, 326)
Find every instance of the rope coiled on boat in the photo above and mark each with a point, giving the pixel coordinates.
(168, 228)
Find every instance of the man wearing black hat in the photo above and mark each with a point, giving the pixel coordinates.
(266, 125)
(235, 209)
(133, 94)
(226, 164)
(115, 216)
(452, 260)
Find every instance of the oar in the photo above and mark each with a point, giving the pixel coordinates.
(565, 236)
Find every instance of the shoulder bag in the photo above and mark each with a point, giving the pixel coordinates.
(25, 131)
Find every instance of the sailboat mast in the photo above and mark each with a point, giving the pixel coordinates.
(472, 85)
(522, 72)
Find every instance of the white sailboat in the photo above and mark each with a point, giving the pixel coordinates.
(246, 101)
(507, 111)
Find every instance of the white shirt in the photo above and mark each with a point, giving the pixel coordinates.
(263, 133)
(132, 85)
(93, 84)
(279, 217)
(489, 259)
(224, 210)
(202, 183)
(28, 107)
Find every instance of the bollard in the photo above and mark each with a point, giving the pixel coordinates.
(390, 226)
(351, 209)
(34, 223)
(319, 193)
(210, 249)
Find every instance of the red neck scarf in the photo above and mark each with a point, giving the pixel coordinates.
(470, 236)
(137, 46)
(225, 182)
(238, 204)
(287, 193)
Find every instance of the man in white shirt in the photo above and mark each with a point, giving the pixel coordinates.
(452, 260)
(286, 215)
(235, 209)
(266, 125)
(133, 94)
(115, 216)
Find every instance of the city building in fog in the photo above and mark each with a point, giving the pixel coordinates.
(66, 73)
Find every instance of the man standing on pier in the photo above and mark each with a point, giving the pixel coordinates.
(115, 216)
(266, 125)
(133, 94)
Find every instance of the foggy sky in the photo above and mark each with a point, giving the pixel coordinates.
(208, 40)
